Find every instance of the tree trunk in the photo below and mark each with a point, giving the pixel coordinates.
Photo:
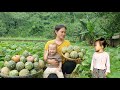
(111, 42)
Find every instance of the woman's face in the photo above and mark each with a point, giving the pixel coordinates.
(61, 33)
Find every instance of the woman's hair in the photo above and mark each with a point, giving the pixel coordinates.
(58, 27)
(102, 42)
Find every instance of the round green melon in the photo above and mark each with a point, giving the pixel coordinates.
(29, 65)
(74, 54)
(36, 65)
(80, 54)
(33, 71)
(76, 48)
(20, 66)
(23, 59)
(70, 49)
(5, 70)
(41, 64)
(83, 50)
(67, 55)
(7, 58)
(5, 63)
(24, 72)
(36, 59)
(35, 56)
(13, 73)
(25, 53)
(64, 49)
(11, 64)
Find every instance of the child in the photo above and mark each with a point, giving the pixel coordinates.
(100, 65)
(52, 54)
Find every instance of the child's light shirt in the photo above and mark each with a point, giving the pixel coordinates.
(100, 61)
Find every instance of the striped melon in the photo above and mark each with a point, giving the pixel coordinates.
(74, 54)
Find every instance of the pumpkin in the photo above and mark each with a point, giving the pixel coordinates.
(76, 48)
(67, 55)
(23, 59)
(20, 66)
(64, 49)
(30, 58)
(80, 54)
(74, 54)
(11, 64)
(33, 71)
(41, 64)
(5, 70)
(70, 49)
(29, 65)
(16, 58)
(24, 72)
(13, 73)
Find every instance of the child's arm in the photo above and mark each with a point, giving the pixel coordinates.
(45, 55)
(108, 65)
(91, 68)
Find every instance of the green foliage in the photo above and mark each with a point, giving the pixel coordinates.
(1, 64)
(90, 25)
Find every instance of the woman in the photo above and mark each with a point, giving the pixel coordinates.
(67, 66)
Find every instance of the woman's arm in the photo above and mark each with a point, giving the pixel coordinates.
(60, 66)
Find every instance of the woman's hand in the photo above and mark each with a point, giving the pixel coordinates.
(77, 61)
(52, 62)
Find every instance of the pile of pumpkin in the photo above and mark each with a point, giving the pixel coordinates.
(22, 65)
(73, 52)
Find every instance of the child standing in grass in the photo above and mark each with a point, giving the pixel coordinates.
(100, 65)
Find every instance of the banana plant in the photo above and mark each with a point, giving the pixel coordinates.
(88, 30)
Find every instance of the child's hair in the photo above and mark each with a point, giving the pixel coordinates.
(53, 44)
(102, 42)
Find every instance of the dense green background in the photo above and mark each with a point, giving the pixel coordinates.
(91, 25)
